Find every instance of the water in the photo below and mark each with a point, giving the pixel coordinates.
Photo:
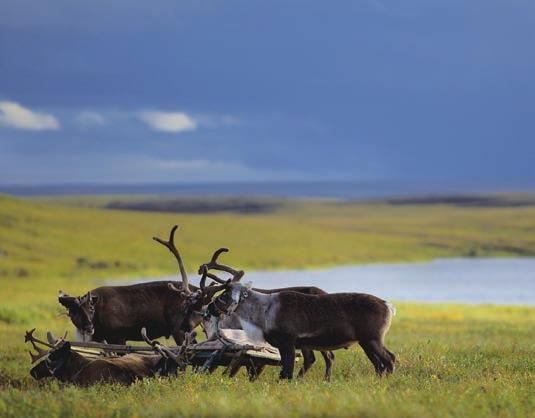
(509, 281)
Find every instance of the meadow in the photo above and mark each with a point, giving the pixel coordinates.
(454, 360)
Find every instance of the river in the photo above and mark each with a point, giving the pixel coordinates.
(509, 281)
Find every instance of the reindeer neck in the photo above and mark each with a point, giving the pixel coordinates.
(255, 307)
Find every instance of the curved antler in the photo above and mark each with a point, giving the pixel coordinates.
(213, 264)
(209, 291)
(170, 244)
(153, 343)
(166, 351)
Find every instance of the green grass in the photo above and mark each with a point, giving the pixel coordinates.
(453, 360)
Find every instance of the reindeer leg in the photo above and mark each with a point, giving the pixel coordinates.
(254, 370)
(391, 354)
(374, 358)
(387, 358)
(178, 336)
(287, 352)
(308, 360)
(235, 364)
(328, 356)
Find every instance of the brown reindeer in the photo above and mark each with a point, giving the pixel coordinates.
(118, 313)
(290, 320)
(69, 366)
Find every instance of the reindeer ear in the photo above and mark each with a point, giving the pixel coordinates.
(93, 298)
(68, 301)
(85, 298)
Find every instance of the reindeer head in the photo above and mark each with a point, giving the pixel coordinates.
(233, 290)
(81, 310)
(194, 302)
(228, 301)
(52, 365)
(55, 357)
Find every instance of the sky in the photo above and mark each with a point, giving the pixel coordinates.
(245, 90)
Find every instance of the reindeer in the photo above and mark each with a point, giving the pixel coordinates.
(290, 320)
(68, 366)
(117, 313)
(205, 294)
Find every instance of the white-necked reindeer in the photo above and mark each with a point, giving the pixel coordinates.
(290, 320)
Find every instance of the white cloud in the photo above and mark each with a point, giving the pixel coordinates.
(174, 122)
(14, 115)
(88, 118)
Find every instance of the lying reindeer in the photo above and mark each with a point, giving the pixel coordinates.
(290, 320)
(116, 314)
(68, 366)
(202, 297)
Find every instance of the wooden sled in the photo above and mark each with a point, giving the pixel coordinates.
(232, 349)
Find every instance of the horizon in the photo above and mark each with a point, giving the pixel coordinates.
(338, 189)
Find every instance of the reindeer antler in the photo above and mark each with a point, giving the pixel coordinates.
(53, 340)
(213, 264)
(166, 351)
(156, 345)
(188, 340)
(210, 290)
(28, 337)
(170, 244)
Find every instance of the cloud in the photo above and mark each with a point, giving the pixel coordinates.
(173, 122)
(13, 115)
(88, 118)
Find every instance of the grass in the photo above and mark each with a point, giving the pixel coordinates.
(453, 360)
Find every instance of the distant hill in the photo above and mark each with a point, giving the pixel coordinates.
(198, 205)
(475, 200)
(45, 240)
